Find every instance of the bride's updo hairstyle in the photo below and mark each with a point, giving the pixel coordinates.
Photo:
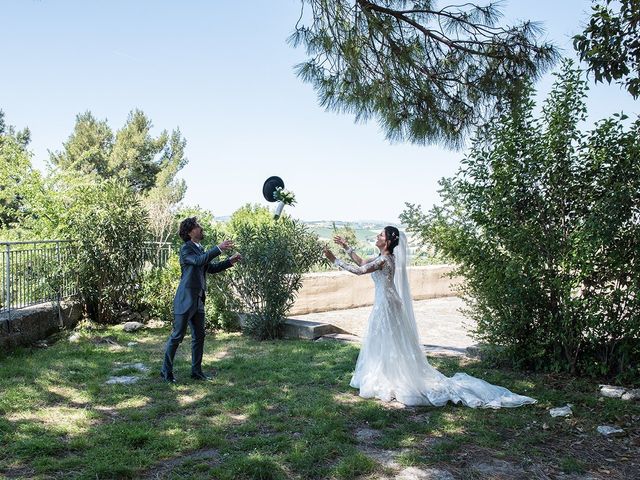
(393, 237)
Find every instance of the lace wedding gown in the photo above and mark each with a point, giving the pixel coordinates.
(392, 365)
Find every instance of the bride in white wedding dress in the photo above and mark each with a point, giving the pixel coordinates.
(391, 364)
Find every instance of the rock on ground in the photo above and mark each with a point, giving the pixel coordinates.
(415, 473)
(561, 411)
(123, 380)
(607, 430)
(611, 391)
(132, 326)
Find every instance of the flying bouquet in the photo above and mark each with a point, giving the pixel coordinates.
(273, 191)
(283, 197)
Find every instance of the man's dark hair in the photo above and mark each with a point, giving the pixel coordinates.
(186, 226)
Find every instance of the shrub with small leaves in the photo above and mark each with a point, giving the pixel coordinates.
(276, 255)
(544, 222)
(159, 287)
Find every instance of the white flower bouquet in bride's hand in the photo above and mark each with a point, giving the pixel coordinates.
(283, 197)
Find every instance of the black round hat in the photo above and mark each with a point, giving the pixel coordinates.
(269, 187)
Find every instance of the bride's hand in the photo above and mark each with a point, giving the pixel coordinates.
(340, 241)
(329, 254)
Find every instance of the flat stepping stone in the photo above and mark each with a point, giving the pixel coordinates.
(561, 411)
(494, 468)
(367, 435)
(607, 430)
(132, 326)
(122, 380)
(611, 391)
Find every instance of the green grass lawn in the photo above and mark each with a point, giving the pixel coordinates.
(282, 409)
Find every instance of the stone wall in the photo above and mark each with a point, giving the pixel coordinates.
(320, 292)
(326, 291)
(28, 325)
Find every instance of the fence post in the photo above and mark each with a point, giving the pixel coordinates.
(7, 284)
(59, 283)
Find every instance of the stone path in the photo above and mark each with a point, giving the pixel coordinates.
(443, 329)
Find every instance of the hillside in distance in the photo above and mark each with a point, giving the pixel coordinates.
(366, 231)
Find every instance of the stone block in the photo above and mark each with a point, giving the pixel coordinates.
(29, 325)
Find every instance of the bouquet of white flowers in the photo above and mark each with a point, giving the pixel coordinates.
(283, 197)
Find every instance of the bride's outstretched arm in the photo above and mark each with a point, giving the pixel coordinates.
(354, 256)
(351, 253)
(368, 267)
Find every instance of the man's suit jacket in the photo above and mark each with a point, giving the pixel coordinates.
(194, 263)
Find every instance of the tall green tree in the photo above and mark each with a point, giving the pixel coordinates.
(20, 184)
(132, 155)
(135, 155)
(429, 74)
(543, 221)
(610, 43)
(162, 200)
(88, 148)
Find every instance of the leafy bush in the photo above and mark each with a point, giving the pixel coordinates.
(159, 287)
(276, 254)
(544, 223)
(110, 227)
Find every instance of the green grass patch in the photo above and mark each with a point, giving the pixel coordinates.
(572, 465)
(355, 465)
(276, 410)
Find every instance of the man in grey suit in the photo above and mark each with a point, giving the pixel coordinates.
(188, 304)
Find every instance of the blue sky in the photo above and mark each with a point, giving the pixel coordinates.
(223, 73)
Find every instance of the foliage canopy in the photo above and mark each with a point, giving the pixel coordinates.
(544, 222)
(610, 44)
(429, 74)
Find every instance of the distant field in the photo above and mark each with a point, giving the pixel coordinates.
(363, 235)
(366, 235)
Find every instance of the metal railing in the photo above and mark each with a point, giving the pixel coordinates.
(156, 254)
(39, 271)
(33, 272)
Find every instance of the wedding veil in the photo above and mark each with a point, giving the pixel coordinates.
(401, 280)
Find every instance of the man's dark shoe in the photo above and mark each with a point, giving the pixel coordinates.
(200, 376)
(168, 377)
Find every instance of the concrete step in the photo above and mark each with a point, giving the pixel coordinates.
(295, 328)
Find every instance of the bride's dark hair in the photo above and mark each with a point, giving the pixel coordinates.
(393, 237)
